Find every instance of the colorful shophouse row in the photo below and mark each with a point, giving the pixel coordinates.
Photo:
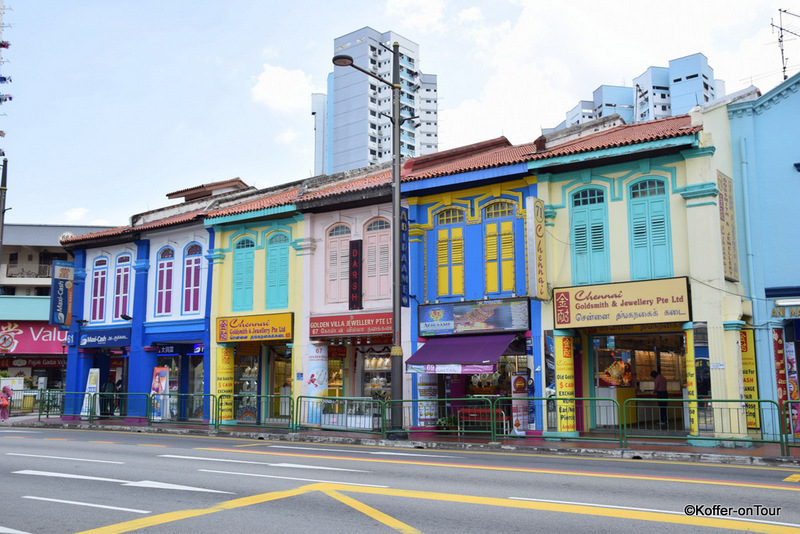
(582, 266)
(140, 300)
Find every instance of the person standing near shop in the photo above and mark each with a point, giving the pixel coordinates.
(660, 388)
(6, 395)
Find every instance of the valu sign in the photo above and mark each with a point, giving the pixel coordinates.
(30, 337)
(650, 301)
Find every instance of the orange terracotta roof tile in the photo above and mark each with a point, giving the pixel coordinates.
(272, 200)
(359, 184)
(629, 134)
(122, 230)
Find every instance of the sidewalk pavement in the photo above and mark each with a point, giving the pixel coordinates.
(762, 454)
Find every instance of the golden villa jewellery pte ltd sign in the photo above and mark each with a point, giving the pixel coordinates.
(651, 301)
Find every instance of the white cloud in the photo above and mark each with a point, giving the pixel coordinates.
(287, 137)
(284, 91)
(75, 214)
(424, 16)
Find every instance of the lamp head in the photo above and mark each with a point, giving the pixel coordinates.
(125, 317)
(342, 60)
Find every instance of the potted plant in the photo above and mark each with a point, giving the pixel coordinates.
(447, 422)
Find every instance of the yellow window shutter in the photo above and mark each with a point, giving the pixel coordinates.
(458, 280)
(442, 256)
(443, 281)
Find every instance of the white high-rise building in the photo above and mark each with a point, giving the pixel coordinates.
(657, 93)
(352, 124)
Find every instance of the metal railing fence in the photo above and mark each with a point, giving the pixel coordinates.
(346, 414)
(714, 420)
(730, 422)
(254, 411)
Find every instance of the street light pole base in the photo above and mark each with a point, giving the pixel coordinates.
(396, 435)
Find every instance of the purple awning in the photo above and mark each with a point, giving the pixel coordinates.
(465, 354)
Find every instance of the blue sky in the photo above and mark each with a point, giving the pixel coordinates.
(117, 103)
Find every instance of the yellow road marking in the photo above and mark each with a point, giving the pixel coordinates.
(369, 511)
(336, 490)
(792, 478)
(516, 469)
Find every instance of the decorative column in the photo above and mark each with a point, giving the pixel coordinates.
(565, 384)
(691, 378)
(224, 385)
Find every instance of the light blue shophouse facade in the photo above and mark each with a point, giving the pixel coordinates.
(766, 170)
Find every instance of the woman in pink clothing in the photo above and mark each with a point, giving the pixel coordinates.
(7, 394)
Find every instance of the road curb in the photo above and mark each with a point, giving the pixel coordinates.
(623, 454)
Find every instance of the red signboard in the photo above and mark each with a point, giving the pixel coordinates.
(30, 337)
(361, 324)
(780, 365)
(355, 276)
(56, 361)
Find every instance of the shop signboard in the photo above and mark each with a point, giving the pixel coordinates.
(224, 372)
(317, 383)
(113, 337)
(354, 289)
(31, 337)
(450, 368)
(727, 223)
(92, 387)
(536, 247)
(792, 389)
(276, 326)
(404, 269)
(650, 301)
(749, 378)
(361, 324)
(158, 393)
(519, 403)
(61, 293)
(59, 361)
(479, 317)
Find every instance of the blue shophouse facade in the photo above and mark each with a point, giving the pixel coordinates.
(766, 169)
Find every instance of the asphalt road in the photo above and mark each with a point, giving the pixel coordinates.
(69, 481)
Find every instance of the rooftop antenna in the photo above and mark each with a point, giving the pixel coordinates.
(781, 30)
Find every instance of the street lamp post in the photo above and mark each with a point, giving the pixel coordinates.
(397, 121)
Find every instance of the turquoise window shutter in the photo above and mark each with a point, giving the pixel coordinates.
(278, 272)
(243, 259)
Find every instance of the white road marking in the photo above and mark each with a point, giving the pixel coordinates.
(63, 458)
(66, 475)
(653, 510)
(290, 478)
(140, 484)
(298, 466)
(133, 510)
(376, 453)
(4, 530)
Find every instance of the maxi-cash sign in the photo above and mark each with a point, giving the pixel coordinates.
(651, 301)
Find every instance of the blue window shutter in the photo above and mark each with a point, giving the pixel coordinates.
(243, 279)
(659, 239)
(598, 248)
(590, 260)
(640, 240)
(278, 276)
(651, 249)
(581, 265)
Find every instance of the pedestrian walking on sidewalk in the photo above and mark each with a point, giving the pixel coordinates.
(660, 388)
(5, 403)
